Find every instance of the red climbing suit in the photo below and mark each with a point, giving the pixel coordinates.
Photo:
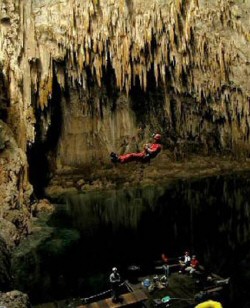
(149, 152)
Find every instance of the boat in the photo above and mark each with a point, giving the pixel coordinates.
(177, 291)
(166, 287)
(163, 286)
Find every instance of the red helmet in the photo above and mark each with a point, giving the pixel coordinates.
(157, 137)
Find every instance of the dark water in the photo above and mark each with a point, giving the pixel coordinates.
(210, 217)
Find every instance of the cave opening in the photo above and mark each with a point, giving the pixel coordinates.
(42, 154)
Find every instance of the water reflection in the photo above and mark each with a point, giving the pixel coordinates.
(209, 216)
(118, 208)
(202, 215)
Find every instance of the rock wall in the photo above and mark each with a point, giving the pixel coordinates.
(188, 60)
(84, 78)
(81, 78)
(5, 277)
(116, 67)
(15, 188)
(14, 299)
(14, 211)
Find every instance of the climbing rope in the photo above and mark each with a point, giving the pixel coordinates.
(87, 299)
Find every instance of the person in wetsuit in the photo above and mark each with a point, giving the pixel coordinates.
(150, 151)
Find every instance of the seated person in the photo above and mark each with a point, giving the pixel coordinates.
(194, 264)
(165, 265)
(184, 262)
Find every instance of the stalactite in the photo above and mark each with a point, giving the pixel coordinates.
(178, 38)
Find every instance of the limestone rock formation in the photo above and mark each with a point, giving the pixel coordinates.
(14, 299)
(15, 188)
(5, 277)
(83, 64)
(185, 56)
(14, 211)
(79, 79)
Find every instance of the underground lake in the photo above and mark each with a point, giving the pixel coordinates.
(89, 233)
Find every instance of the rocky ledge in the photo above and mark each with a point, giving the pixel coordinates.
(162, 169)
(14, 299)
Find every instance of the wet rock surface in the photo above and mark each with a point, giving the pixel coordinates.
(5, 276)
(15, 188)
(119, 67)
(14, 212)
(162, 169)
(14, 299)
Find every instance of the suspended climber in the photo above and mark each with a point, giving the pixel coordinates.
(150, 151)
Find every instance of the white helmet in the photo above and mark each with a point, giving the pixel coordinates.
(114, 269)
